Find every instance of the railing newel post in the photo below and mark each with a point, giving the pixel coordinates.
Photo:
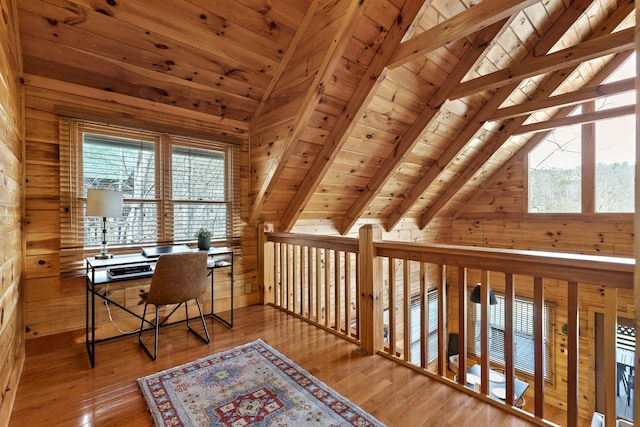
(370, 273)
(266, 263)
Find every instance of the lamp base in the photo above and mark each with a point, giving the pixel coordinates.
(103, 256)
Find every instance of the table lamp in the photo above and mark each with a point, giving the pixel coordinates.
(104, 203)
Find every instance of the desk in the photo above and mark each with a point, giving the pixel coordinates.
(96, 274)
(497, 384)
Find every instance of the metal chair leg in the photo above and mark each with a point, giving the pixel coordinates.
(156, 326)
(204, 325)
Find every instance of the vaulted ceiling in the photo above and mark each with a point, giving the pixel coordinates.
(375, 109)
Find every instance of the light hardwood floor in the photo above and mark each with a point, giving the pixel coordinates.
(58, 386)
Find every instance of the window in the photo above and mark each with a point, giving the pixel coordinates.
(522, 334)
(555, 172)
(572, 171)
(172, 186)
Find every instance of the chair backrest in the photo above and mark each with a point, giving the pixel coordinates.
(178, 278)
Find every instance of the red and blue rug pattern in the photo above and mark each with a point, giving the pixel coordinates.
(250, 385)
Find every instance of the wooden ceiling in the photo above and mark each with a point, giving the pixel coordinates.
(372, 109)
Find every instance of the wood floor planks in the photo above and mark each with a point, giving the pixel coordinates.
(58, 387)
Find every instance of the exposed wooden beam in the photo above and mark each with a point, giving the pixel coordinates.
(325, 72)
(627, 110)
(356, 105)
(590, 49)
(461, 25)
(572, 98)
(513, 124)
(556, 31)
(411, 137)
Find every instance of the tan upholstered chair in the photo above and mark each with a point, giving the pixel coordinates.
(177, 279)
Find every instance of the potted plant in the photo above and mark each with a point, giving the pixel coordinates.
(204, 239)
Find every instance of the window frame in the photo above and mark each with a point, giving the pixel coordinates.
(73, 197)
(588, 165)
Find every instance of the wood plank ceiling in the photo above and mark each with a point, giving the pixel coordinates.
(385, 109)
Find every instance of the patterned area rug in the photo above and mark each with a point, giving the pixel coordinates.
(251, 385)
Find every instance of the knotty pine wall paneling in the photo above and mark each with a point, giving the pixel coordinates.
(12, 336)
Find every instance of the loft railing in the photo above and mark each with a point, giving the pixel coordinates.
(366, 290)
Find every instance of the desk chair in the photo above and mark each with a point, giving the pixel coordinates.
(177, 279)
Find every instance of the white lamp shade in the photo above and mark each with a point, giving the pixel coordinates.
(104, 203)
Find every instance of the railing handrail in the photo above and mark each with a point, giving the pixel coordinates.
(337, 243)
(601, 270)
(607, 271)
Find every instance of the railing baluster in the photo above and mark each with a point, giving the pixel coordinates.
(610, 366)
(336, 290)
(462, 325)
(347, 293)
(310, 281)
(485, 355)
(509, 370)
(573, 322)
(318, 286)
(538, 344)
(443, 359)
(294, 278)
(424, 317)
(406, 294)
(391, 311)
(327, 288)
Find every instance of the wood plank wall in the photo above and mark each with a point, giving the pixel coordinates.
(11, 205)
(503, 223)
(53, 305)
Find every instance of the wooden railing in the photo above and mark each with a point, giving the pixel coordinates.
(346, 286)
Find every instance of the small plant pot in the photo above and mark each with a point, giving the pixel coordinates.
(204, 243)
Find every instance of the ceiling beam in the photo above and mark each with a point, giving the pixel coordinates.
(556, 31)
(412, 136)
(566, 99)
(325, 72)
(356, 105)
(461, 25)
(512, 125)
(576, 120)
(575, 55)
